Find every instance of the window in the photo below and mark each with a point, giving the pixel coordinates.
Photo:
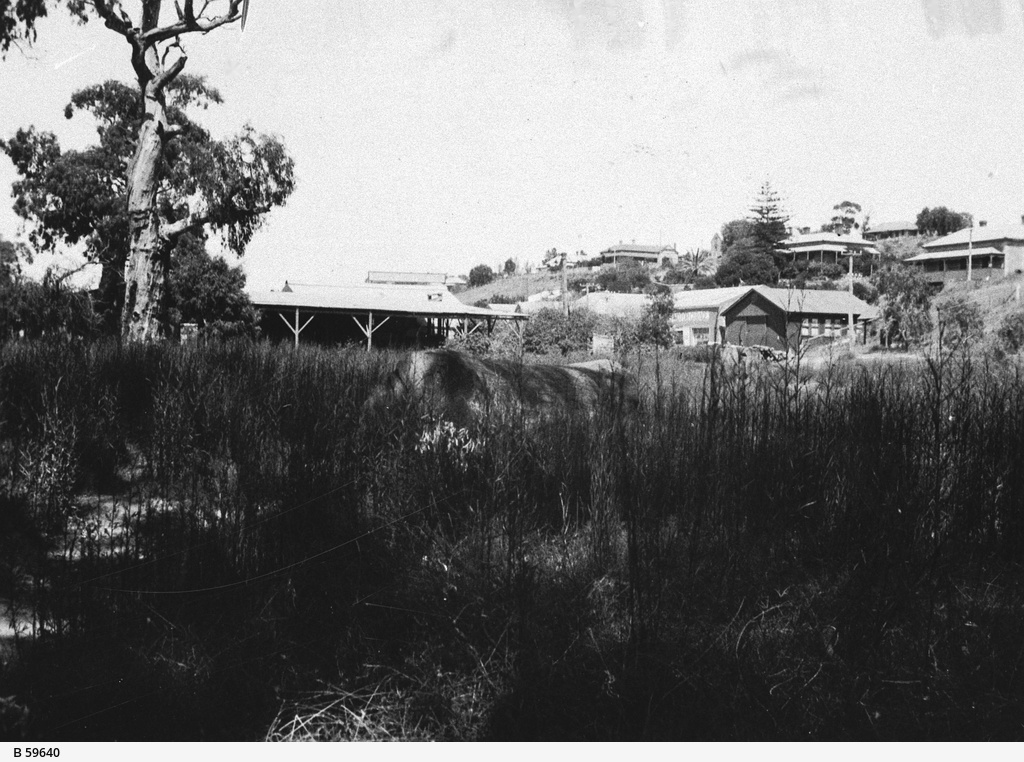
(701, 335)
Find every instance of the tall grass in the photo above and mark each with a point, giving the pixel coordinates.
(241, 542)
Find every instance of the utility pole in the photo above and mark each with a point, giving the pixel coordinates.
(565, 287)
(970, 248)
(849, 315)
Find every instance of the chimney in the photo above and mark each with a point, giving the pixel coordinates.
(983, 223)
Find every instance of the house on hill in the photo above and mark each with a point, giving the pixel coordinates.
(996, 251)
(884, 230)
(646, 255)
(826, 248)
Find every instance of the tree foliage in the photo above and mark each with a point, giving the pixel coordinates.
(625, 278)
(768, 227)
(653, 327)
(480, 275)
(79, 197)
(550, 330)
(509, 267)
(1010, 333)
(209, 292)
(34, 309)
(960, 322)
(845, 218)
(942, 221)
(905, 299)
(746, 266)
(18, 19)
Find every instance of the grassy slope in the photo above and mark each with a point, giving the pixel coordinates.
(515, 285)
(996, 299)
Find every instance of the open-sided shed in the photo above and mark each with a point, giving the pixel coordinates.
(395, 315)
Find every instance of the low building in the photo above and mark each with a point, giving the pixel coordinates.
(645, 255)
(785, 318)
(400, 278)
(826, 248)
(995, 251)
(697, 318)
(381, 314)
(884, 230)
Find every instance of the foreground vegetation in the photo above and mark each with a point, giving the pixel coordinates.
(228, 542)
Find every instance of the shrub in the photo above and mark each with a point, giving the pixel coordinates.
(550, 330)
(1010, 333)
(624, 278)
(960, 321)
(480, 275)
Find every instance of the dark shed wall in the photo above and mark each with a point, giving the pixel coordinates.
(755, 321)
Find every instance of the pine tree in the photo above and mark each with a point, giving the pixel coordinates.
(768, 222)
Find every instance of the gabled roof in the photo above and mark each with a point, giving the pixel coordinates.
(708, 298)
(981, 235)
(816, 301)
(423, 301)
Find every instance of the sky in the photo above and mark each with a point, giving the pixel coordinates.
(441, 134)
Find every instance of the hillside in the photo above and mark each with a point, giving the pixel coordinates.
(997, 299)
(517, 286)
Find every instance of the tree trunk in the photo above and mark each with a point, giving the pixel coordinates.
(144, 270)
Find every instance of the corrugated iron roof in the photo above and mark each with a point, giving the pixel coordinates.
(981, 235)
(976, 251)
(817, 301)
(424, 301)
(708, 298)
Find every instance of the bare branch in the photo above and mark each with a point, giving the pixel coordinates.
(164, 78)
(190, 16)
(116, 20)
(199, 24)
(172, 231)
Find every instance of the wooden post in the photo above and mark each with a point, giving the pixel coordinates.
(295, 329)
(849, 316)
(370, 328)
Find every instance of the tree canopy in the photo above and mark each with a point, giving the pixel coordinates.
(942, 221)
(480, 275)
(768, 227)
(80, 197)
(846, 218)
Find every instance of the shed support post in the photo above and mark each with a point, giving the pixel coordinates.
(370, 328)
(295, 329)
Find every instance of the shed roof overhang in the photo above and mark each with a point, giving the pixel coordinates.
(399, 301)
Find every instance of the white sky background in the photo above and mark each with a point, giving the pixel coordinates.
(436, 135)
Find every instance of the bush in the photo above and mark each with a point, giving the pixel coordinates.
(624, 278)
(960, 321)
(480, 275)
(550, 330)
(1010, 333)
